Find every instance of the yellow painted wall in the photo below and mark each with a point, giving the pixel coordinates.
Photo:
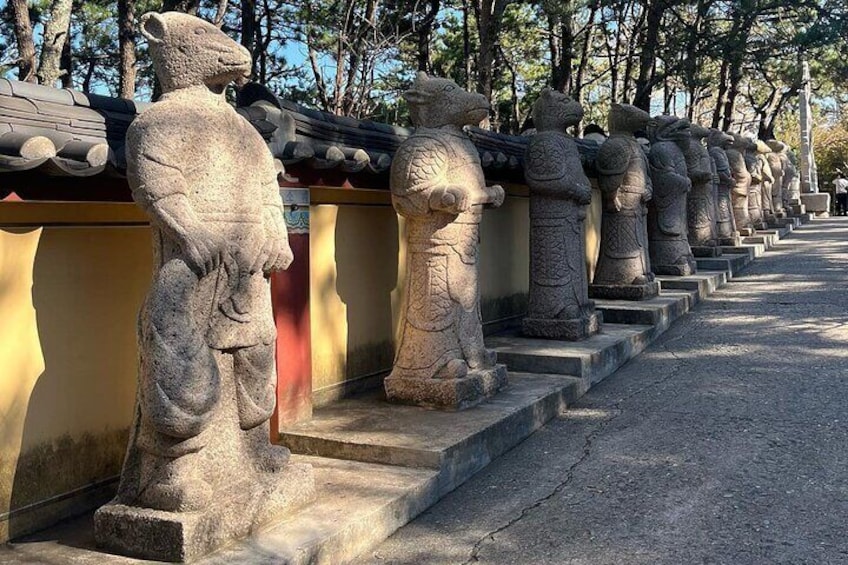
(68, 303)
(357, 257)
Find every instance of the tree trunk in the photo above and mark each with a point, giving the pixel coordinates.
(489, 17)
(647, 56)
(55, 34)
(23, 38)
(425, 32)
(126, 47)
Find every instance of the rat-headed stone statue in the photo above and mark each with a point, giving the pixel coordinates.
(200, 470)
(437, 184)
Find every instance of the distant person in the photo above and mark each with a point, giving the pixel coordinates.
(594, 132)
(841, 185)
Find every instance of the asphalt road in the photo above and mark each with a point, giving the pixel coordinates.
(723, 443)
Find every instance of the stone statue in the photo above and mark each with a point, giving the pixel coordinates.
(559, 305)
(792, 180)
(438, 186)
(667, 226)
(741, 183)
(718, 141)
(763, 151)
(777, 161)
(624, 268)
(200, 469)
(701, 202)
(755, 189)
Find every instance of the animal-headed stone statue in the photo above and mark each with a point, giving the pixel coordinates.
(559, 305)
(755, 189)
(200, 469)
(624, 268)
(437, 184)
(701, 202)
(667, 214)
(792, 180)
(763, 152)
(777, 160)
(718, 142)
(741, 183)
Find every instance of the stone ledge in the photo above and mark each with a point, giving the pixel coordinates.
(703, 283)
(591, 360)
(731, 263)
(752, 250)
(657, 312)
(456, 444)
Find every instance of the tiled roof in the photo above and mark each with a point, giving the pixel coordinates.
(67, 133)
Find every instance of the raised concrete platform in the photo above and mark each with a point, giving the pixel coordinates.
(455, 444)
(729, 262)
(752, 250)
(657, 312)
(591, 360)
(702, 283)
(358, 505)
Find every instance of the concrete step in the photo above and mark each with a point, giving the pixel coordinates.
(752, 250)
(729, 262)
(358, 505)
(658, 312)
(591, 360)
(703, 283)
(455, 445)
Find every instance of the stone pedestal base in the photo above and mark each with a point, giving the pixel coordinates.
(453, 394)
(625, 291)
(817, 203)
(258, 500)
(706, 251)
(680, 269)
(574, 329)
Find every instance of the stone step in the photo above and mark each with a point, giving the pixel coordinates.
(358, 505)
(454, 444)
(591, 360)
(703, 283)
(731, 263)
(658, 312)
(752, 250)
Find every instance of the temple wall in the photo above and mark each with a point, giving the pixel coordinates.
(68, 303)
(72, 279)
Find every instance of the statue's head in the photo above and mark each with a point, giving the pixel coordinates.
(718, 138)
(762, 146)
(188, 51)
(624, 118)
(435, 102)
(740, 142)
(777, 146)
(698, 131)
(555, 111)
(669, 128)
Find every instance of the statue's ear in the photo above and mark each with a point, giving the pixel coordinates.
(153, 27)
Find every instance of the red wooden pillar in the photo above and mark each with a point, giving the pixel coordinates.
(290, 300)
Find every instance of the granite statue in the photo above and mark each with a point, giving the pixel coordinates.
(701, 201)
(763, 151)
(559, 305)
(741, 183)
(200, 470)
(718, 142)
(792, 180)
(624, 267)
(667, 214)
(755, 189)
(777, 161)
(437, 184)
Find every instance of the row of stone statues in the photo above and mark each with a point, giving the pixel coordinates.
(199, 469)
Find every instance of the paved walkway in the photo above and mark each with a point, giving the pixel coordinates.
(725, 442)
